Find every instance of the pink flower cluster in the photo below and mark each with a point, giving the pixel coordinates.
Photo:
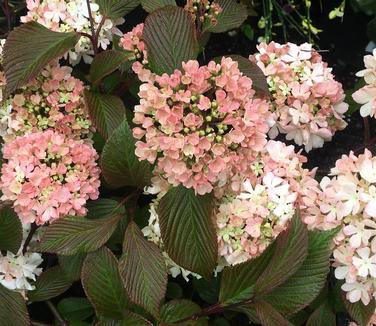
(367, 94)
(264, 200)
(201, 125)
(48, 176)
(349, 199)
(204, 11)
(306, 100)
(133, 43)
(73, 15)
(53, 100)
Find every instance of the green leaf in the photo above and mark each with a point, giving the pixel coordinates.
(359, 312)
(187, 230)
(106, 63)
(323, 315)
(49, 284)
(238, 281)
(269, 316)
(120, 166)
(170, 38)
(303, 287)
(10, 230)
(143, 270)
(13, 310)
(251, 70)
(208, 290)
(29, 48)
(72, 235)
(175, 310)
(232, 16)
(152, 5)
(116, 8)
(130, 319)
(72, 265)
(75, 309)
(104, 207)
(106, 111)
(102, 284)
(289, 254)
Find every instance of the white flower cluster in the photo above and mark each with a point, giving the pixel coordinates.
(73, 15)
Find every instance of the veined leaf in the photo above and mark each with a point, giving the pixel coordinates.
(106, 111)
(170, 38)
(75, 309)
(269, 316)
(120, 166)
(152, 5)
(238, 281)
(13, 310)
(323, 315)
(116, 8)
(104, 207)
(289, 254)
(175, 310)
(29, 48)
(102, 284)
(72, 265)
(130, 319)
(72, 235)
(303, 287)
(359, 312)
(187, 230)
(232, 16)
(49, 284)
(106, 63)
(143, 270)
(10, 230)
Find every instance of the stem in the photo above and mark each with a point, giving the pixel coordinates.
(7, 14)
(56, 314)
(96, 36)
(33, 228)
(367, 132)
(95, 49)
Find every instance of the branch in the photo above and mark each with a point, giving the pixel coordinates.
(56, 314)
(33, 228)
(92, 27)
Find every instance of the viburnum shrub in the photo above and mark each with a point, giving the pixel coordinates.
(144, 184)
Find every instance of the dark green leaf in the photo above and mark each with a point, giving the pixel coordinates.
(232, 16)
(104, 207)
(323, 315)
(106, 63)
(13, 310)
(289, 254)
(238, 281)
(102, 284)
(106, 111)
(49, 284)
(72, 265)
(120, 166)
(174, 291)
(10, 230)
(187, 230)
(143, 270)
(31, 47)
(269, 316)
(208, 290)
(130, 319)
(303, 287)
(359, 312)
(151, 5)
(170, 38)
(75, 309)
(116, 8)
(72, 235)
(176, 310)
